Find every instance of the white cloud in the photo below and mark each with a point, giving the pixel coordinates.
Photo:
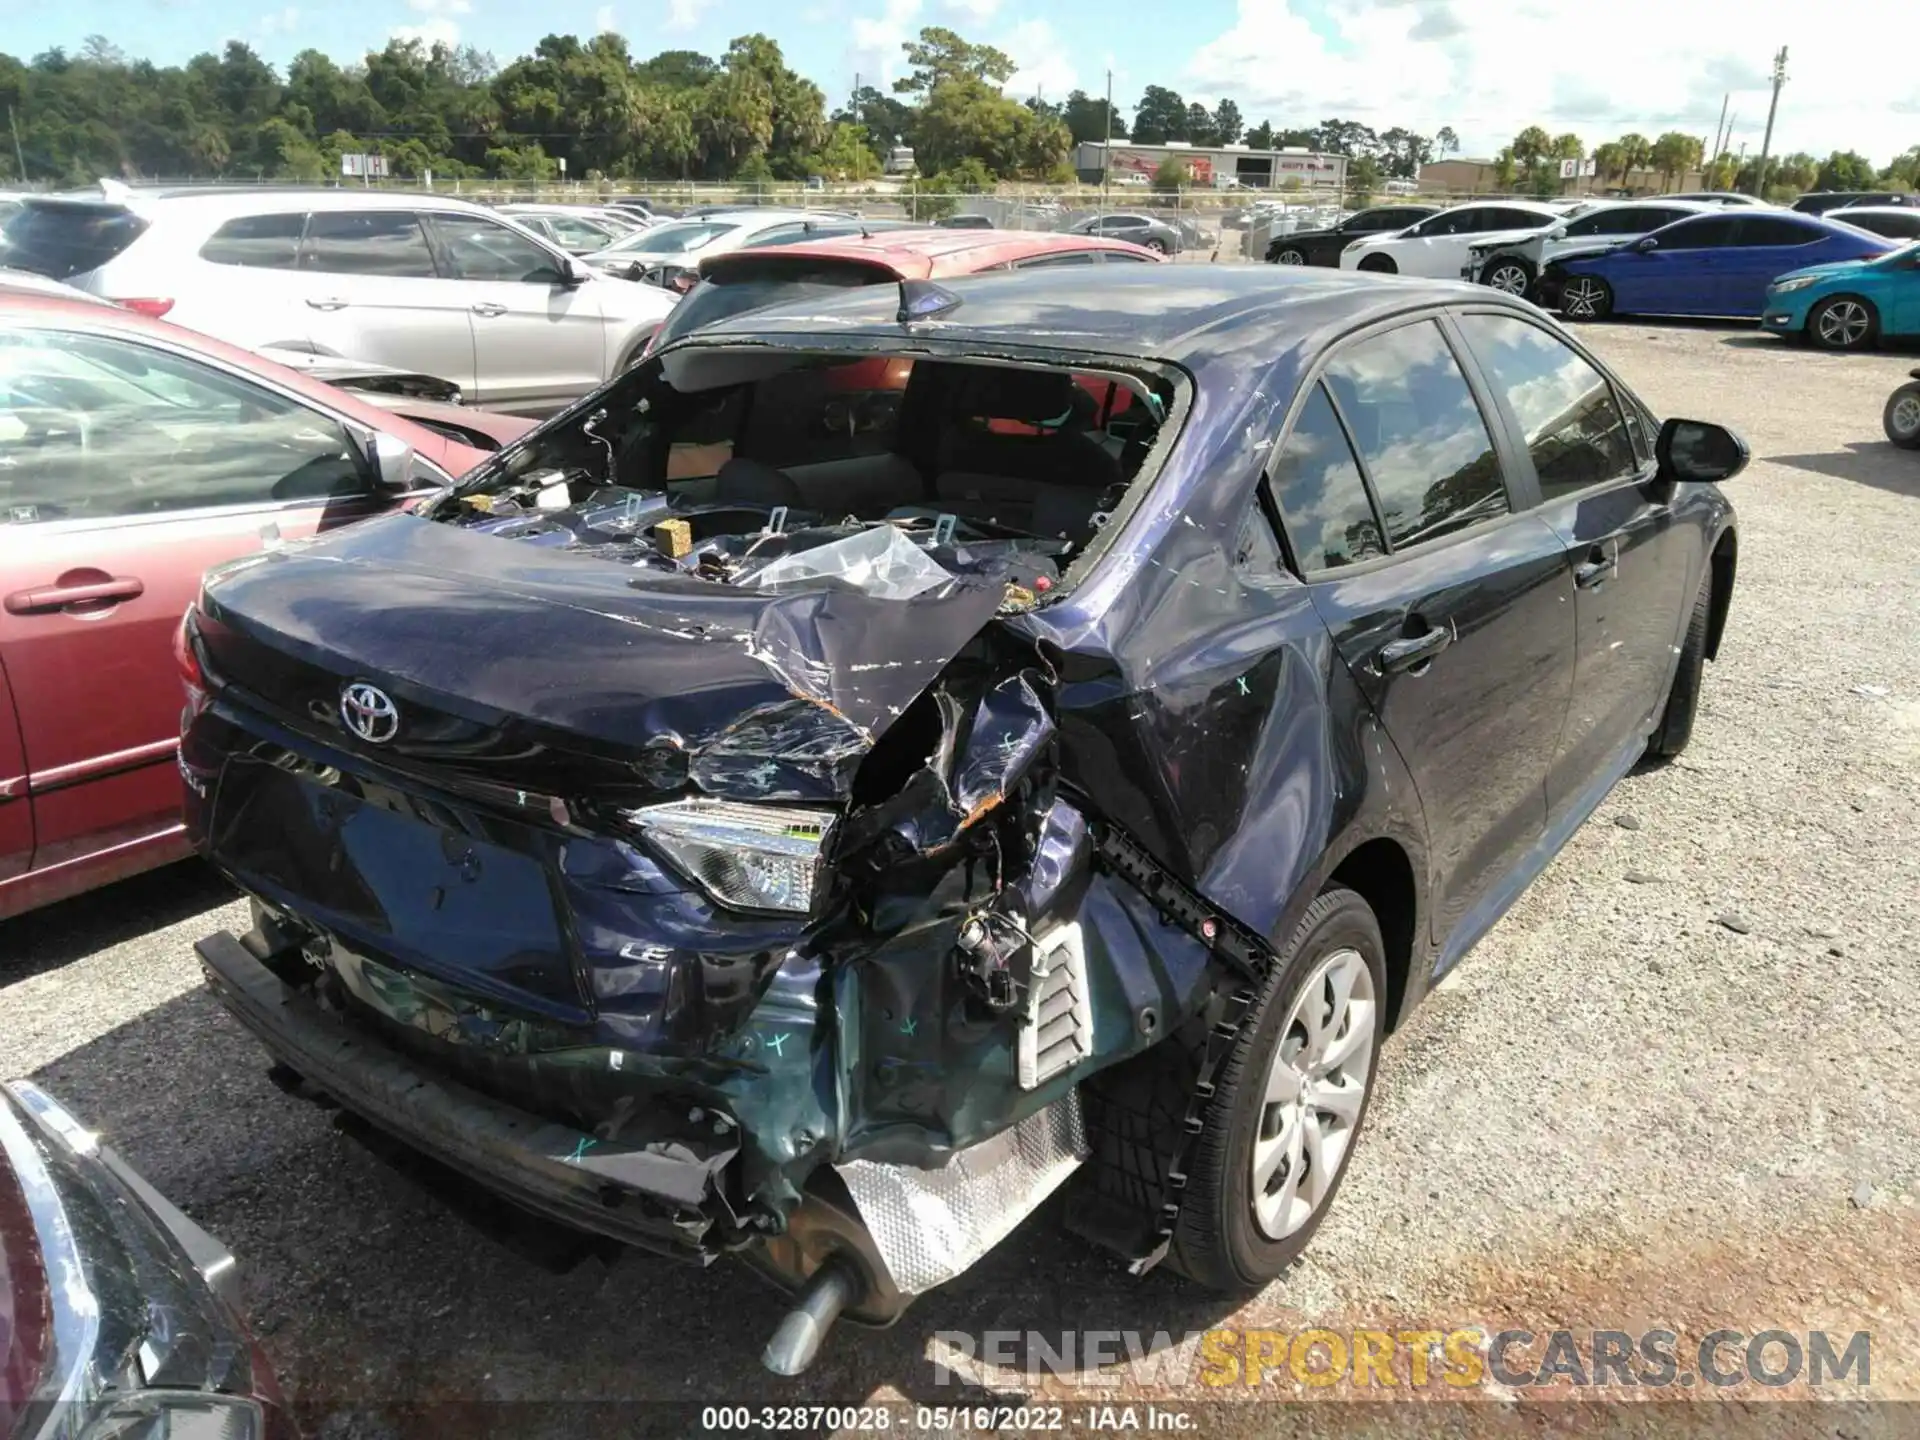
(875, 53)
(429, 32)
(683, 15)
(280, 22)
(604, 20)
(1042, 56)
(975, 10)
(1488, 68)
(441, 7)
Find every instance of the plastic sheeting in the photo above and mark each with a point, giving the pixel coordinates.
(880, 561)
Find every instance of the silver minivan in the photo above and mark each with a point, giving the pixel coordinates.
(420, 282)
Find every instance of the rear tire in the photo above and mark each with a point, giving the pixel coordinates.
(1844, 322)
(1378, 265)
(1586, 297)
(1155, 243)
(1901, 419)
(1290, 255)
(1683, 699)
(1238, 1231)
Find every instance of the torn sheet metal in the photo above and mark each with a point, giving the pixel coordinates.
(932, 1224)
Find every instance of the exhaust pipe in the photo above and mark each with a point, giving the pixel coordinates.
(796, 1344)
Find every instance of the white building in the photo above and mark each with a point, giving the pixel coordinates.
(1216, 165)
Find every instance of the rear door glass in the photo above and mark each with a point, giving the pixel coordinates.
(1420, 433)
(63, 240)
(1323, 501)
(367, 242)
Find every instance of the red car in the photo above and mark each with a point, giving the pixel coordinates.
(134, 455)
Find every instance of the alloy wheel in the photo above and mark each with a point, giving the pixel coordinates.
(1584, 297)
(1290, 257)
(1510, 279)
(1843, 324)
(1316, 1088)
(1903, 416)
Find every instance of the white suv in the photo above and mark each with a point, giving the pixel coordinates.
(1513, 265)
(418, 282)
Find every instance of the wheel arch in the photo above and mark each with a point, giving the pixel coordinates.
(1725, 554)
(1381, 872)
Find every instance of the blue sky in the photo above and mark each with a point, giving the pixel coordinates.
(1484, 67)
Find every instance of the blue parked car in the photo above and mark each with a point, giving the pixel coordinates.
(1848, 304)
(1714, 264)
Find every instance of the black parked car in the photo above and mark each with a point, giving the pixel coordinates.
(1323, 247)
(738, 800)
(118, 1315)
(1819, 202)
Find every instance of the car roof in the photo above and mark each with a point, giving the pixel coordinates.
(1841, 212)
(1219, 319)
(1534, 207)
(89, 316)
(929, 253)
(225, 201)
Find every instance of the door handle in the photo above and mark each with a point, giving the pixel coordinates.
(60, 597)
(1409, 653)
(489, 308)
(1601, 565)
(327, 302)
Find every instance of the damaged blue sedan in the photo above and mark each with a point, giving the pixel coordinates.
(887, 757)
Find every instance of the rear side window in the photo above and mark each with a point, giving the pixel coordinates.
(1566, 409)
(1049, 262)
(64, 240)
(267, 242)
(1776, 230)
(1419, 432)
(1894, 225)
(481, 249)
(1702, 234)
(367, 242)
(1322, 499)
(1500, 218)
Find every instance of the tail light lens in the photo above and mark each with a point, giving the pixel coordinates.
(193, 676)
(152, 307)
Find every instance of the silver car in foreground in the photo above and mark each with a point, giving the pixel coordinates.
(419, 282)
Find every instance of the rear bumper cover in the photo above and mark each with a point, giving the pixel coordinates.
(660, 1197)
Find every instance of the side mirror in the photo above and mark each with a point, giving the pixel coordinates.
(1645, 244)
(391, 461)
(1558, 233)
(1699, 451)
(573, 274)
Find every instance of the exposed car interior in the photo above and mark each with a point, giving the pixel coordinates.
(891, 474)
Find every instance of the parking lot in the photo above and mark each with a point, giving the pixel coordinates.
(1674, 1086)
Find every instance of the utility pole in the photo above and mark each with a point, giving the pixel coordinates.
(1106, 150)
(1766, 143)
(1718, 143)
(19, 157)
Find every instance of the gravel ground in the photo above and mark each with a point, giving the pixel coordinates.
(1676, 1086)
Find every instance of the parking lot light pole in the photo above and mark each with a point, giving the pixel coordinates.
(1106, 150)
(1766, 141)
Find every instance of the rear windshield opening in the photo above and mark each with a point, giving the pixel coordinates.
(892, 473)
(61, 240)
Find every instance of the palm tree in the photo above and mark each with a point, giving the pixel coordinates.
(1636, 153)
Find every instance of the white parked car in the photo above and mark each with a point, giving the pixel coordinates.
(576, 231)
(1512, 265)
(418, 282)
(1895, 222)
(1437, 247)
(683, 244)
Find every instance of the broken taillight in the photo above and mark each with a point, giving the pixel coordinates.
(153, 307)
(193, 677)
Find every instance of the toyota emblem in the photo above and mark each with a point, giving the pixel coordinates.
(369, 712)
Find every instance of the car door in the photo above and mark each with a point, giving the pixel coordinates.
(1900, 293)
(16, 814)
(1682, 273)
(538, 341)
(1438, 247)
(126, 470)
(1451, 609)
(379, 295)
(1631, 564)
(1765, 247)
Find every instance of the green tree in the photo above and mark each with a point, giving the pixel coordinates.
(1343, 137)
(1087, 118)
(1673, 155)
(1504, 168)
(1609, 161)
(940, 55)
(1227, 122)
(1261, 137)
(1845, 170)
(1636, 152)
(1530, 149)
(1403, 152)
(1172, 176)
(1445, 142)
(1363, 179)
(1200, 125)
(1160, 116)
(847, 156)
